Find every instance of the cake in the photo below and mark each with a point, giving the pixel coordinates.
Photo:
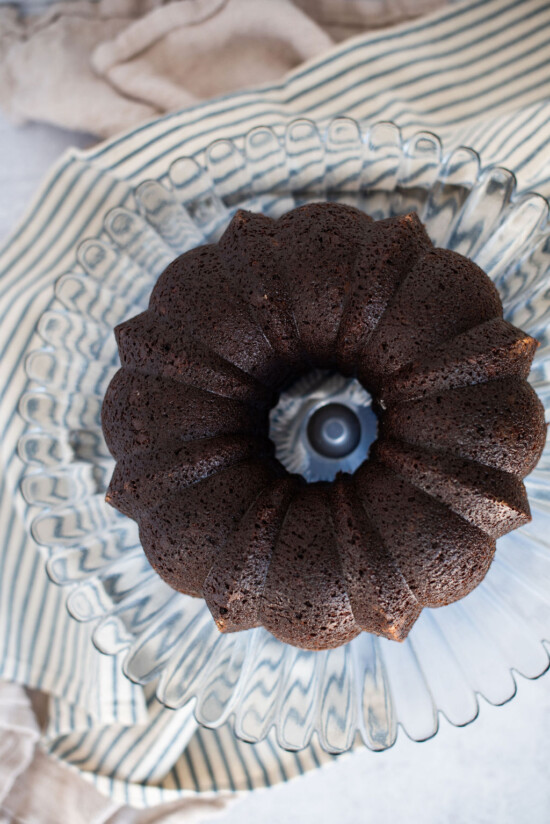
(229, 326)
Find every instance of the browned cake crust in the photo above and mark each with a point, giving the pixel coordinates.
(228, 326)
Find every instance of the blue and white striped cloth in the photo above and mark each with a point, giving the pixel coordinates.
(478, 74)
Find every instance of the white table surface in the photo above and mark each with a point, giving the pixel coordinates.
(495, 771)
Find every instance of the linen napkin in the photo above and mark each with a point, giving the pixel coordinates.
(37, 789)
(476, 73)
(106, 66)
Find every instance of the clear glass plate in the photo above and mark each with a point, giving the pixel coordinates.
(365, 689)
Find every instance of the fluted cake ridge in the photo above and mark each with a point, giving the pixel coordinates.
(229, 325)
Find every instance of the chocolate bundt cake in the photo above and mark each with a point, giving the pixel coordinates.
(231, 324)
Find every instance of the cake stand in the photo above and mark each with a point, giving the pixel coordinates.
(364, 690)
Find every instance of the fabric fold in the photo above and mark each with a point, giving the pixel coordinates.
(106, 66)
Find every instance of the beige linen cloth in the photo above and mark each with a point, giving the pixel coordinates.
(106, 66)
(35, 788)
(100, 68)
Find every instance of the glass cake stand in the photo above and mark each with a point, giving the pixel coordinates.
(365, 689)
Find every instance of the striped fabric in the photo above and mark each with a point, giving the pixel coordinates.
(477, 73)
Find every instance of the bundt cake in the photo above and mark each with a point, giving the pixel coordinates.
(229, 325)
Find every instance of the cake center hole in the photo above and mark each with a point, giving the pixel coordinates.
(324, 423)
(334, 430)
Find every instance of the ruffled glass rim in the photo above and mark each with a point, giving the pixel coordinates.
(364, 689)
